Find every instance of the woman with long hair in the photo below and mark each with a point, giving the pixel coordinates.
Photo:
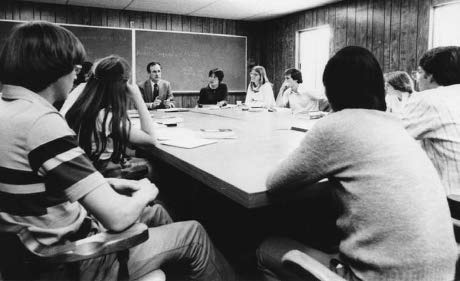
(99, 115)
(399, 86)
(260, 92)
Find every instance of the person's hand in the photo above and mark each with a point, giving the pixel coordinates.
(156, 102)
(222, 103)
(133, 91)
(124, 186)
(284, 87)
(168, 103)
(148, 190)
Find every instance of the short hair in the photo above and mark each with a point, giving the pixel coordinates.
(443, 63)
(353, 79)
(38, 53)
(400, 80)
(219, 73)
(295, 74)
(152, 64)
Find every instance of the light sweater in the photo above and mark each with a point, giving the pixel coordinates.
(396, 222)
(264, 97)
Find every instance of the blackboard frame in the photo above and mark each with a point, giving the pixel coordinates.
(132, 58)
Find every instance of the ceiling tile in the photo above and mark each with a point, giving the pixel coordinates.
(169, 6)
(252, 10)
(233, 9)
(112, 4)
(48, 1)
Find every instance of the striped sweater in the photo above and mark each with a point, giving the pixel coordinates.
(43, 172)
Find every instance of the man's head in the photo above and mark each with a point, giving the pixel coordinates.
(293, 77)
(353, 79)
(154, 71)
(439, 67)
(40, 55)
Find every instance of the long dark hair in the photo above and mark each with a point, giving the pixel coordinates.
(353, 79)
(106, 89)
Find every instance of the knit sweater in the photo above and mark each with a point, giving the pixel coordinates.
(395, 219)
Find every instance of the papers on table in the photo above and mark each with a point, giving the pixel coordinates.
(188, 143)
(217, 134)
(215, 106)
(181, 137)
(133, 113)
(168, 120)
(173, 109)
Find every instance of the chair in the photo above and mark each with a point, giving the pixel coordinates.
(307, 267)
(454, 206)
(24, 263)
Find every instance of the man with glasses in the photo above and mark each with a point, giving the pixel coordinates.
(156, 91)
(433, 115)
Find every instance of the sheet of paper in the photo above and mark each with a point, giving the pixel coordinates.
(217, 134)
(166, 133)
(168, 120)
(188, 143)
(174, 109)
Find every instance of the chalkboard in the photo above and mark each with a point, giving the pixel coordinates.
(186, 58)
(98, 42)
(102, 42)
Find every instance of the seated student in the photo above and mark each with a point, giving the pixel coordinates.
(48, 185)
(432, 115)
(399, 87)
(216, 91)
(293, 94)
(393, 219)
(260, 92)
(99, 115)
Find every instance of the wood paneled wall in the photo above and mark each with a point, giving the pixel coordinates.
(396, 31)
(15, 10)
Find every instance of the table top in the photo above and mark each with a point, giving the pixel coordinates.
(235, 167)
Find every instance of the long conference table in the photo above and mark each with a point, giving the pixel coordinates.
(236, 168)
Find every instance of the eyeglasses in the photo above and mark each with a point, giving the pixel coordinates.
(77, 68)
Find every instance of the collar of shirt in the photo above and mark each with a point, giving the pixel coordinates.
(18, 92)
(153, 84)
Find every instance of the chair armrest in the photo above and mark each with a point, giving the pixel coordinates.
(96, 245)
(310, 265)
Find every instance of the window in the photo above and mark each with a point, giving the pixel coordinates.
(313, 54)
(446, 22)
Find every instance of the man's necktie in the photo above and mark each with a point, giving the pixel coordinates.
(156, 91)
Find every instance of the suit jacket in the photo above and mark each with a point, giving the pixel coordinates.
(164, 91)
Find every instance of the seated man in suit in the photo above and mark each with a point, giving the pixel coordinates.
(48, 184)
(156, 91)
